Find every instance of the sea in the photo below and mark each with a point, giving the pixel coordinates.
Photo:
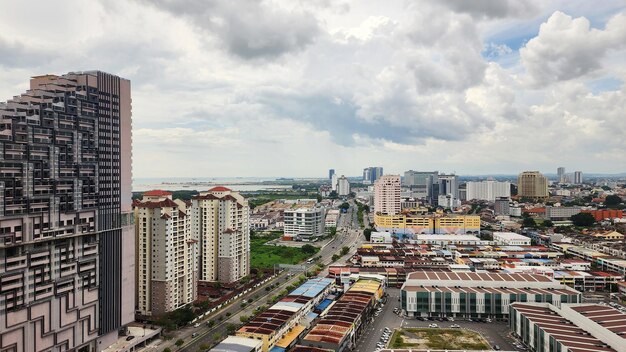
(243, 184)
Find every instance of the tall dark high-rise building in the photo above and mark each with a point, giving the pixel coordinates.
(67, 244)
(331, 172)
(371, 174)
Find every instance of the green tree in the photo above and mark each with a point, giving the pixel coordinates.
(167, 349)
(344, 205)
(179, 343)
(583, 219)
(230, 327)
(309, 249)
(612, 200)
(244, 318)
(345, 250)
(210, 323)
(548, 223)
(216, 336)
(335, 257)
(367, 233)
(529, 222)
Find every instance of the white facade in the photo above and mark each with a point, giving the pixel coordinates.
(334, 182)
(387, 198)
(343, 186)
(304, 223)
(221, 223)
(167, 256)
(561, 213)
(511, 239)
(331, 218)
(488, 190)
(381, 237)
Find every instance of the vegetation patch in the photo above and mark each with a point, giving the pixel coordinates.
(438, 339)
(265, 256)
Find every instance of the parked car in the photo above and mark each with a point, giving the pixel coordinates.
(196, 325)
(455, 326)
(433, 325)
(496, 347)
(128, 338)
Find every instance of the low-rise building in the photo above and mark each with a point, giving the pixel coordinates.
(442, 293)
(238, 344)
(414, 224)
(561, 213)
(569, 327)
(332, 216)
(381, 237)
(511, 239)
(344, 322)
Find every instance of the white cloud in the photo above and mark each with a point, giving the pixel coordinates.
(291, 88)
(567, 48)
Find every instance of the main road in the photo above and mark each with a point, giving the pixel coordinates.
(349, 234)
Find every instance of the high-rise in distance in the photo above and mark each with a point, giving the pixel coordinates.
(387, 198)
(67, 244)
(532, 184)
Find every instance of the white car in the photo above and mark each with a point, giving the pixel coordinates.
(433, 325)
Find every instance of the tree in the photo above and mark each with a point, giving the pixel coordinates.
(333, 195)
(335, 257)
(583, 219)
(319, 198)
(367, 233)
(529, 222)
(210, 323)
(548, 223)
(243, 318)
(216, 336)
(612, 200)
(203, 347)
(179, 343)
(345, 250)
(230, 327)
(167, 349)
(309, 249)
(344, 205)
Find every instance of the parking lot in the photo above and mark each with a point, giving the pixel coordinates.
(496, 333)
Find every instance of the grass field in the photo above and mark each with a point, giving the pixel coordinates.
(438, 339)
(265, 256)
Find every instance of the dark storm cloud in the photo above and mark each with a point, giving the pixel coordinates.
(248, 29)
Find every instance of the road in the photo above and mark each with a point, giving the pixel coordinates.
(348, 234)
(496, 333)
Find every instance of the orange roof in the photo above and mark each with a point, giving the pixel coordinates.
(219, 189)
(535, 210)
(157, 193)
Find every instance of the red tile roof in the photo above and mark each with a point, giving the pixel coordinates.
(157, 193)
(219, 189)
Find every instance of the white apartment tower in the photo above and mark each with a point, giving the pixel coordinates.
(167, 255)
(387, 198)
(488, 190)
(343, 186)
(220, 221)
(304, 223)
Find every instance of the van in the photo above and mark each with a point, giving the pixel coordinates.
(309, 261)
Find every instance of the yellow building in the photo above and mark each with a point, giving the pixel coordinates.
(428, 224)
(609, 235)
(532, 184)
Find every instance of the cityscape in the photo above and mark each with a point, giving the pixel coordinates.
(274, 176)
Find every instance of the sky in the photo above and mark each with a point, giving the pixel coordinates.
(291, 88)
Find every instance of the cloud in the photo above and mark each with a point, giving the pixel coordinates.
(567, 48)
(492, 9)
(249, 29)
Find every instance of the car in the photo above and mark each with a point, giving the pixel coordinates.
(128, 338)
(433, 325)
(450, 319)
(196, 325)
(194, 334)
(488, 320)
(496, 347)
(455, 326)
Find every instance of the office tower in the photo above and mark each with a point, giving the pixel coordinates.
(578, 177)
(387, 198)
(371, 174)
(67, 249)
(449, 185)
(532, 184)
(488, 190)
(343, 186)
(560, 174)
(422, 183)
(220, 220)
(501, 206)
(167, 255)
(304, 223)
(331, 173)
